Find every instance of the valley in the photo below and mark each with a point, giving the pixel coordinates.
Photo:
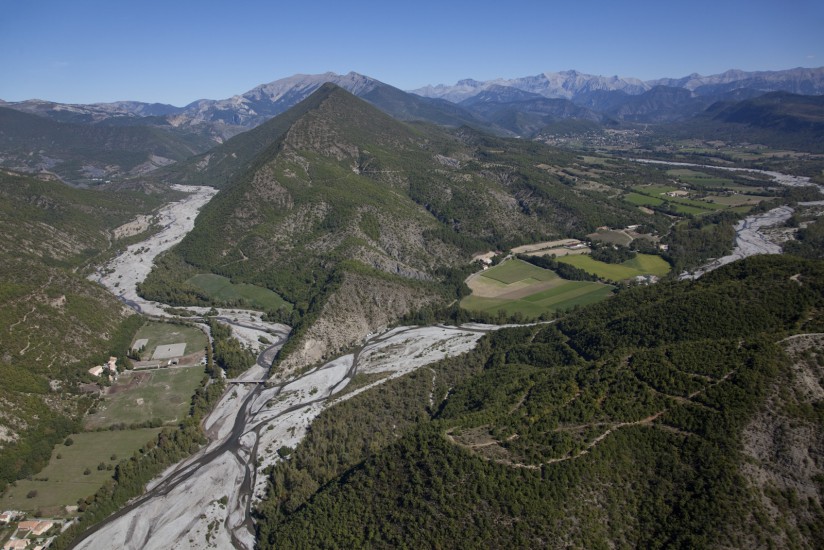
(315, 354)
(208, 499)
(251, 421)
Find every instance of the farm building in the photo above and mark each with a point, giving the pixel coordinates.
(36, 528)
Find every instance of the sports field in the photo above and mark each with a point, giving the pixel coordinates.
(641, 264)
(169, 334)
(64, 480)
(224, 291)
(516, 286)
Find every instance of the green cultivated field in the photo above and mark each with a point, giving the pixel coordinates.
(63, 482)
(700, 179)
(223, 290)
(642, 200)
(140, 396)
(160, 334)
(642, 264)
(519, 287)
(514, 271)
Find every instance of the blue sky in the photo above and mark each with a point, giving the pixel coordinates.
(177, 51)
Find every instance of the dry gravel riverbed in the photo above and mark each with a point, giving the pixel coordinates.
(205, 500)
(750, 238)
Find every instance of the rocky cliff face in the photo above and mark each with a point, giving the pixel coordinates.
(362, 305)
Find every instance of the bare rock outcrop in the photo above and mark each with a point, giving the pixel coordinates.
(362, 305)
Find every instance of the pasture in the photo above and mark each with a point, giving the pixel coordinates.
(65, 480)
(516, 286)
(699, 179)
(223, 291)
(144, 395)
(612, 236)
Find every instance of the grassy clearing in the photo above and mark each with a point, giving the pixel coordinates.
(655, 195)
(160, 334)
(737, 200)
(63, 481)
(140, 396)
(222, 290)
(642, 264)
(530, 291)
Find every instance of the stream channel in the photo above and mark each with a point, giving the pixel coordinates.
(205, 501)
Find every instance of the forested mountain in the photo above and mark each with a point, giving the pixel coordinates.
(683, 415)
(55, 323)
(80, 152)
(130, 138)
(339, 193)
(778, 119)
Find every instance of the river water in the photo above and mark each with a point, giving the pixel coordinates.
(205, 501)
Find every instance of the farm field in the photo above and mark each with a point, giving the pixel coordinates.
(63, 481)
(144, 395)
(655, 195)
(166, 334)
(224, 291)
(699, 179)
(613, 236)
(642, 264)
(516, 286)
(736, 200)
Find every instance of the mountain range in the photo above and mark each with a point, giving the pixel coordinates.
(440, 103)
(525, 107)
(573, 85)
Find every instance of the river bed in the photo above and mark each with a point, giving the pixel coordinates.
(205, 501)
(750, 238)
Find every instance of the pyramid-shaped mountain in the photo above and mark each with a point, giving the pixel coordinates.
(336, 192)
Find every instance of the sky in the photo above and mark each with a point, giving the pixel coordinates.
(178, 51)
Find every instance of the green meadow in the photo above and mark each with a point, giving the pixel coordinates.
(220, 289)
(144, 395)
(516, 286)
(75, 471)
(642, 264)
